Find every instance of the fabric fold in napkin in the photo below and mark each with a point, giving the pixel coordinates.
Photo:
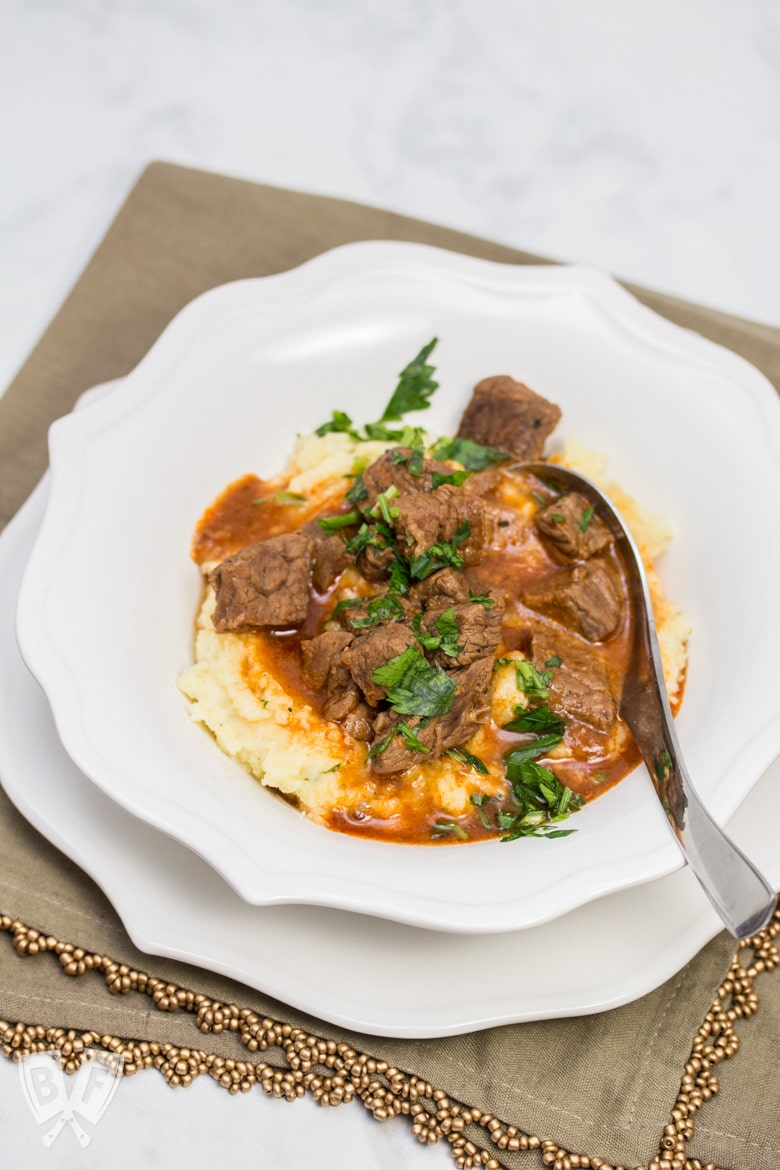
(602, 1085)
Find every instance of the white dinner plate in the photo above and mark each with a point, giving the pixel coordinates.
(413, 983)
(106, 609)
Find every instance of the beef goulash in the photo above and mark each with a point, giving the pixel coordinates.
(410, 639)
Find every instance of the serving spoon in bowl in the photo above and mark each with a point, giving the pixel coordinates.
(742, 896)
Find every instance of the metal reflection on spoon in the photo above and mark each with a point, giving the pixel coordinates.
(742, 896)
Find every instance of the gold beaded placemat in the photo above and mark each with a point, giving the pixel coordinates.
(685, 1076)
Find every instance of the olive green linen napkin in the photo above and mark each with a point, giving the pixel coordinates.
(601, 1086)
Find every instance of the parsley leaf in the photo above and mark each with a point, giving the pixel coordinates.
(358, 492)
(340, 423)
(530, 751)
(414, 685)
(464, 757)
(379, 610)
(343, 520)
(587, 516)
(346, 603)
(447, 638)
(292, 498)
(415, 386)
(540, 720)
(473, 456)
(449, 828)
(439, 478)
(440, 555)
(412, 742)
(483, 599)
(533, 682)
(542, 800)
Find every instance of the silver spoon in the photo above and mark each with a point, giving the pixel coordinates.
(741, 895)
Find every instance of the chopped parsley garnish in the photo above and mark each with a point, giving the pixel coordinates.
(365, 536)
(479, 800)
(358, 492)
(541, 746)
(289, 498)
(414, 685)
(379, 610)
(334, 523)
(541, 501)
(380, 746)
(440, 555)
(339, 423)
(447, 638)
(482, 599)
(347, 603)
(412, 742)
(399, 577)
(554, 661)
(541, 720)
(587, 516)
(449, 829)
(328, 771)
(557, 517)
(473, 456)
(415, 386)
(534, 683)
(542, 801)
(382, 507)
(456, 478)
(463, 757)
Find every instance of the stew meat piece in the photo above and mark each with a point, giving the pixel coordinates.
(479, 630)
(325, 671)
(570, 527)
(367, 652)
(265, 584)
(444, 587)
(585, 598)
(392, 470)
(428, 518)
(330, 557)
(509, 416)
(580, 686)
(470, 710)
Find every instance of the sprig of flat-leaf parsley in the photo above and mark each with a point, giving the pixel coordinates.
(414, 685)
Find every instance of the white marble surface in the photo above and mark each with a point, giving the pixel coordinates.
(643, 138)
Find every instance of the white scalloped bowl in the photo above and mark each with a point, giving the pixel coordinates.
(105, 618)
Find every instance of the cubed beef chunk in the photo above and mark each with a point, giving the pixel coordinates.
(571, 529)
(375, 562)
(330, 559)
(392, 470)
(444, 587)
(428, 518)
(265, 584)
(580, 686)
(324, 670)
(367, 652)
(469, 711)
(479, 630)
(509, 416)
(585, 598)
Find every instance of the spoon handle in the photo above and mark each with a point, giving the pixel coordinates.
(741, 895)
